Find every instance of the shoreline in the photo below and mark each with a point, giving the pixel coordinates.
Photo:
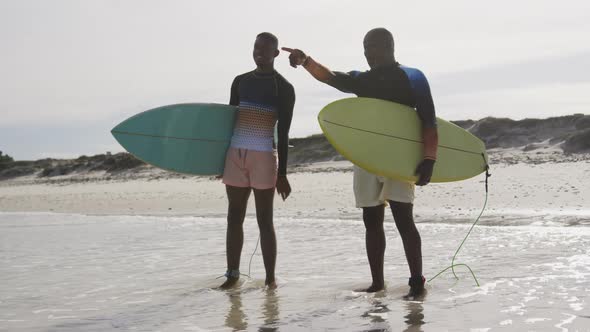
(535, 189)
(497, 157)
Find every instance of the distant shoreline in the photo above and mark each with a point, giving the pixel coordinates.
(508, 141)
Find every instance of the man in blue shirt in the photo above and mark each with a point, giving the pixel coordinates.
(387, 80)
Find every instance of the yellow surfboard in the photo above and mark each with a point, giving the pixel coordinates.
(385, 138)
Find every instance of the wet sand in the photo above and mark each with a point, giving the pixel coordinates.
(144, 254)
(64, 272)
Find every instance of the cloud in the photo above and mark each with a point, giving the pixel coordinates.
(71, 70)
(565, 69)
(549, 100)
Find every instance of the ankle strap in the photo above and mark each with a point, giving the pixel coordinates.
(416, 281)
(232, 273)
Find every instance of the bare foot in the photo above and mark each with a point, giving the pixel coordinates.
(372, 289)
(271, 284)
(416, 287)
(229, 283)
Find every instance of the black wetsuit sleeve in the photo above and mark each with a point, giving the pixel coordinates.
(234, 98)
(346, 82)
(286, 105)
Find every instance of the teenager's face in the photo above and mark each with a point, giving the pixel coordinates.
(264, 52)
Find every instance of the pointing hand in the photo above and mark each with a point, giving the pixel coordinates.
(296, 56)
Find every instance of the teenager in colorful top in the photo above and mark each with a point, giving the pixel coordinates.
(264, 98)
(387, 80)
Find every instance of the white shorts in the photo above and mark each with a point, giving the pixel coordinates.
(373, 190)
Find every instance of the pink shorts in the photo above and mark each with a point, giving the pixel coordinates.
(250, 169)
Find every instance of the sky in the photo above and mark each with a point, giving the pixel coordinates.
(71, 70)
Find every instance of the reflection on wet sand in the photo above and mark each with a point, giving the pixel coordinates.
(415, 315)
(378, 316)
(379, 311)
(270, 311)
(235, 318)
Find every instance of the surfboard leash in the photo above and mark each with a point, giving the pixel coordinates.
(453, 265)
(250, 263)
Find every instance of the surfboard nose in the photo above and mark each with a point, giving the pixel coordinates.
(184, 138)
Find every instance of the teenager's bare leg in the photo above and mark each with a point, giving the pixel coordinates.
(268, 241)
(238, 202)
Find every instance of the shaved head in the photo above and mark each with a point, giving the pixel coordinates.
(379, 47)
(381, 36)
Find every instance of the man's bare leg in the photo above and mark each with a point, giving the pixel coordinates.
(404, 221)
(375, 244)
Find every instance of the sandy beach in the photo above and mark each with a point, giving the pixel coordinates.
(548, 183)
(143, 251)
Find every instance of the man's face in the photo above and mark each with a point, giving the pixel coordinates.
(377, 50)
(264, 52)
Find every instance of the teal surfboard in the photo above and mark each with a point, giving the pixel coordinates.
(385, 138)
(184, 138)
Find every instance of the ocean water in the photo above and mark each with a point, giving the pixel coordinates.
(62, 272)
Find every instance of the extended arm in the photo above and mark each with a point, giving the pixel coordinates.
(318, 71)
(345, 82)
